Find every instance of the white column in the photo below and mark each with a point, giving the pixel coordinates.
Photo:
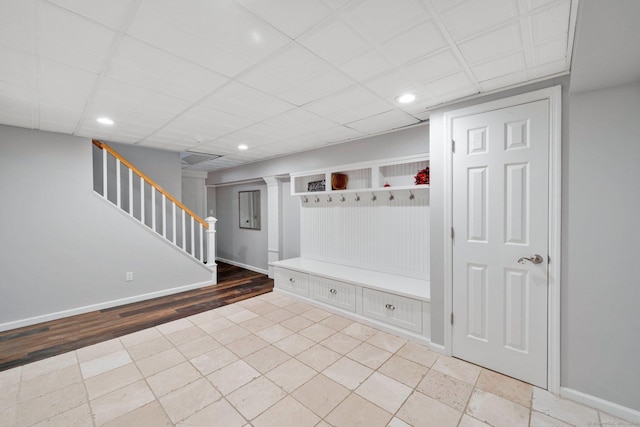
(274, 221)
(211, 246)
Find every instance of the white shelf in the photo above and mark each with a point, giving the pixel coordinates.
(399, 173)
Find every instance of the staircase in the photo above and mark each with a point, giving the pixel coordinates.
(137, 195)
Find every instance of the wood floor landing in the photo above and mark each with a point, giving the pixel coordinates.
(36, 342)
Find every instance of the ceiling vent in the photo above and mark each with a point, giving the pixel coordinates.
(194, 158)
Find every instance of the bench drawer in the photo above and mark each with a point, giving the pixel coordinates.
(393, 309)
(292, 281)
(338, 294)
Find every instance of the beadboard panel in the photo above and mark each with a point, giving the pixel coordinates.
(390, 236)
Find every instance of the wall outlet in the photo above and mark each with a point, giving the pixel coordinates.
(129, 276)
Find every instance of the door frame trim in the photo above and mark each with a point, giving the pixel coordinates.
(553, 95)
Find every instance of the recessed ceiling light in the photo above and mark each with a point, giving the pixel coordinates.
(242, 147)
(406, 98)
(104, 121)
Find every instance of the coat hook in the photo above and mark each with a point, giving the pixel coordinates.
(342, 199)
(411, 196)
(373, 197)
(317, 199)
(305, 199)
(357, 197)
(391, 196)
(329, 199)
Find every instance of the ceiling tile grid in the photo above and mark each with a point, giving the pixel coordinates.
(279, 76)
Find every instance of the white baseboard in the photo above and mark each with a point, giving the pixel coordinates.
(614, 409)
(94, 307)
(437, 348)
(245, 266)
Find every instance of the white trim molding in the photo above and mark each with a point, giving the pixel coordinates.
(627, 414)
(553, 95)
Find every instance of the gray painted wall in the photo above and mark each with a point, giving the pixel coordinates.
(246, 247)
(290, 222)
(63, 247)
(601, 286)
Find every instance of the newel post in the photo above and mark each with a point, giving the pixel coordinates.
(211, 241)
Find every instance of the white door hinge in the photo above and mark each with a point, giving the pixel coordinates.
(453, 146)
(453, 233)
(452, 318)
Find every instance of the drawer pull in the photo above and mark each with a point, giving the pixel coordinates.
(390, 306)
(333, 291)
(291, 279)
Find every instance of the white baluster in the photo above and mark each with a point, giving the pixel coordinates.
(130, 191)
(184, 233)
(118, 184)
(104, 173)
(201, 257)
(164, 216)
(153, 208)
(142, 220)
(173, 216)
(211, 241)
(193, 243)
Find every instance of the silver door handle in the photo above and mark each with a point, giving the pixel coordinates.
(536, 259)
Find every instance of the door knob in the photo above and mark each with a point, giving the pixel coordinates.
(536, 259)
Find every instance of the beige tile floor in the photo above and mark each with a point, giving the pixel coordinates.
(272, 361)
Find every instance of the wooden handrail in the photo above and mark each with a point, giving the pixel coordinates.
(114, 153)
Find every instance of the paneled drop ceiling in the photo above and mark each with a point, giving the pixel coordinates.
(279, 76)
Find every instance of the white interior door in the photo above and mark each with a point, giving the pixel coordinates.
(500, 216)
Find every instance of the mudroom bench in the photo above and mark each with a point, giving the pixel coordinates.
(394, 303)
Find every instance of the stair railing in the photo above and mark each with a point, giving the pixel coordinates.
(177, 223)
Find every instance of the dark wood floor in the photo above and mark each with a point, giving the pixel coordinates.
(36, 342)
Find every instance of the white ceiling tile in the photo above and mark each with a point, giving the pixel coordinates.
(414, 43)
(17, 67)
(493, 44)
(254, 136)
(217, 35)
(350, 105)
(392, 84)
(17, 25)
(551, 22)
(339, 133)
(504, 81)
(369, 64)
(472, 17)
(17, 107)
(64, 86)
(300, 122)
(499, 67)
(203, 124)
(293, 66)
(433, 67)
(111, 13)
(453, 84)
(292, 17)
(320, 86)
(146, 66)
(551, 51)
(443, 5)
(244, 101)
(549, 69)
(336, 42)
(70, 39)
(383, 122)
(54, 118)
(376, 20)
